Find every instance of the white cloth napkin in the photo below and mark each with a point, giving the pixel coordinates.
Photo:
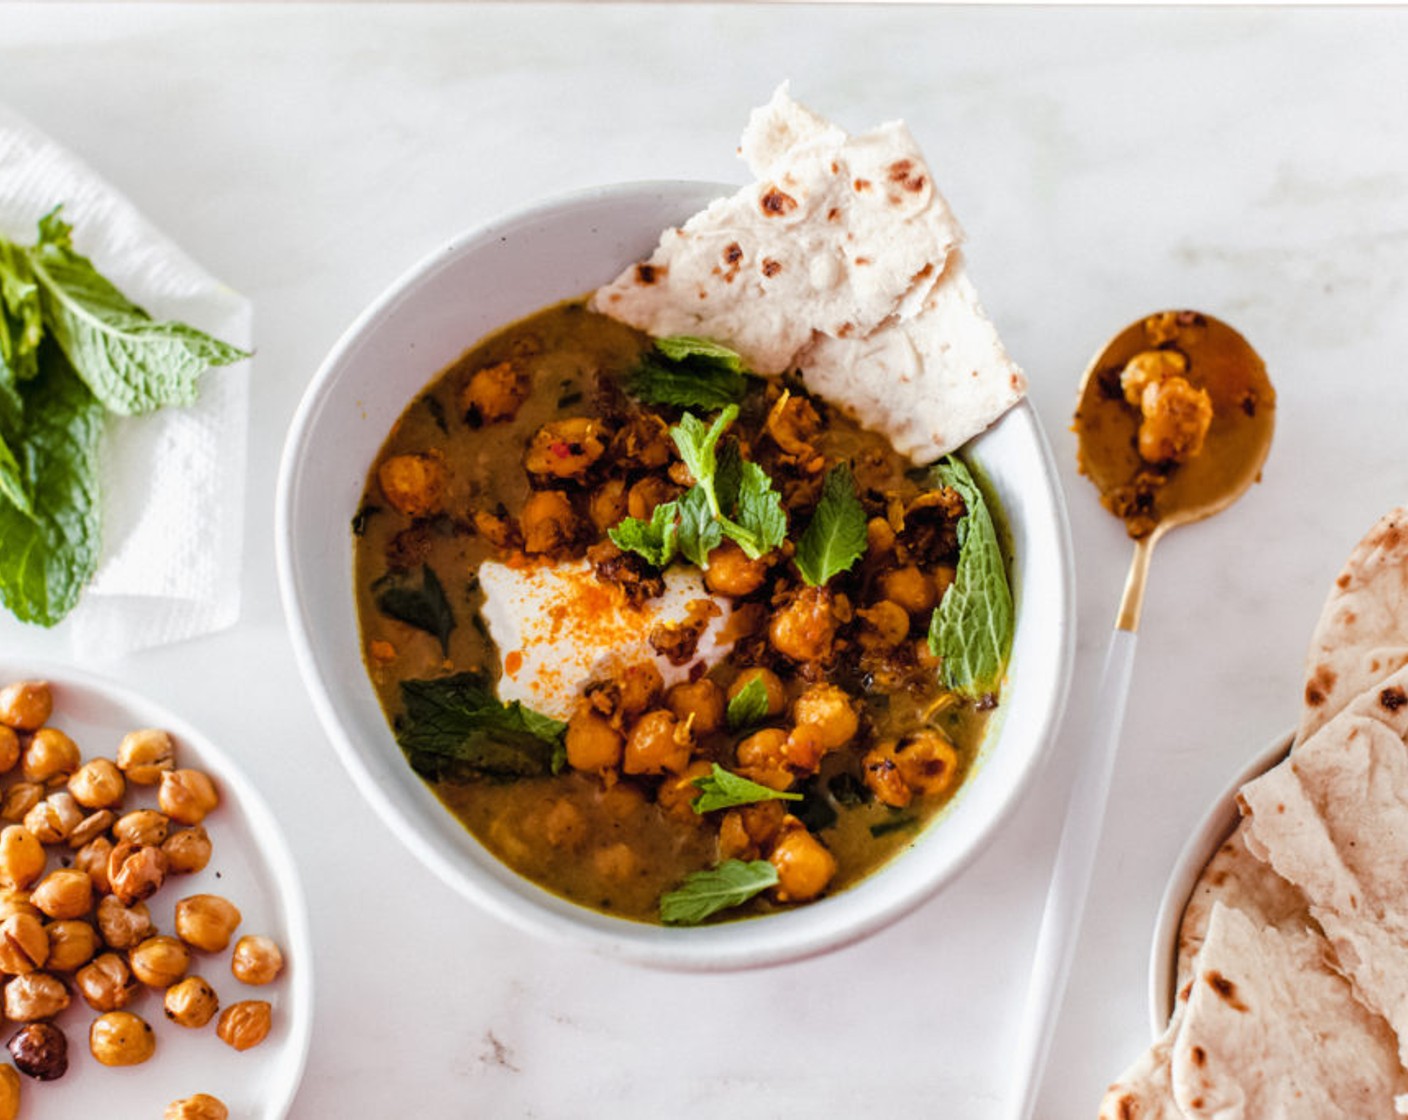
(173, 481)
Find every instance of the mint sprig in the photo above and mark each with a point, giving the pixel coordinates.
(689, 372)
(723, 789)
(835, 538)
(748, 706)
(705, 893)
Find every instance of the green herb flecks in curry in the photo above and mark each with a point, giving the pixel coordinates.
(822, 696)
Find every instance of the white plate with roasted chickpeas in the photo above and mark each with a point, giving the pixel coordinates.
(154, 946)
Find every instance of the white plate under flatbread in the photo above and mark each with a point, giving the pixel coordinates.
(841, 260)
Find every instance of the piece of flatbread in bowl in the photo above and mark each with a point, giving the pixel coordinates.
(1362, 634)
(1333, 820)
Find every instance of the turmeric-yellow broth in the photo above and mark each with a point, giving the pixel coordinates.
(529, 451)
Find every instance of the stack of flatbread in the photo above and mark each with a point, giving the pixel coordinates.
(1292, 979)
(840, 263)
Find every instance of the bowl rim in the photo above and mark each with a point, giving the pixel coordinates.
(722, 947)
(1214, 827)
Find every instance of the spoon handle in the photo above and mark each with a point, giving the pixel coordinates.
(1072, 872)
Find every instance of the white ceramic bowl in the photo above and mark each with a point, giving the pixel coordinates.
(484, 280)
(1202, 845)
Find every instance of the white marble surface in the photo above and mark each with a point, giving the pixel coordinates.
(1105, 162)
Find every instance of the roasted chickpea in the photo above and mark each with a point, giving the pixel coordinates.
(26, 705)
(944, 575)
(731, 573)
(649, 492)
(9, 748)
(881, 773)
(187, 850)
(607, 505)
(107, 984)
(804, 866)
(92, 859)
(206, 921)
(97, 784)
(879, 537)
(886, 625)
(245, 1024)
(927, 761)
(593, 745)
(677, 793)
(805, 628)
(191, 1002)
(762, 758)
(548, 522)
(24, 944)
(639, 686)
(145, 755)
(415, 483)
(22, 857)
(656, 744)
(123, 926)
(40, 1051)
(186, 796)
(772, 683)
(64, 893)
(120, 1038)
(136, 871)
(910, 588)
(494, 393)
(701, 701)
(53, 820)
(19, 799)
(142, 826)
(35, 996)
(256, 960)
(804, 749)
(830, 711)
(158, 962)
(565, 448)
(71, 944)
(617, 861)
(202, 1106)
(14, 901)
(9, 1093)
(92, 826)
(50, 755)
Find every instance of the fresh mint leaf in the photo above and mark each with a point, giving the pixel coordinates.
(131, 362)
(683, 347)
(689, 372)
(749, 705)
(656, 539)
(697, 446)
(894, 824)
(971, 629)
(21, 321)
(704, 893)
(724, 789)
(12, 481)
(456, 725)
(835, 538)
(424, 607)
(759, 525)
(47, 557)
(699, 532)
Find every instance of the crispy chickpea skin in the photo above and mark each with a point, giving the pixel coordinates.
(97, 784)
(414, 484)
(158, 962)
(22, 857)
(256, 960)
(92, 859)
(64, 893)
(135, 871)
(186, 796)
(548, 522)
(142, 826)
(656, 744)
(9, 1093)
(828, 709)
(206, 921)
(50, 754)
(120, 1038)
(145, 754)
(731, 573)
(701, 700)
(202, 1106)
(245, 1024)
(91, 827)
(494, 393)
(565, 449)
(190, 1002)
(54, 819)
(24, 944)
(805, 628)
(106, 983)
(40, 1051)
(593, 745)
(804, 866)
(123, 926)
(35, 996)
(26, 705)
(772, 684)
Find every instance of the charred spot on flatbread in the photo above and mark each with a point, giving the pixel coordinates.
(776, 203)
(1226, 989)
(1393, 698)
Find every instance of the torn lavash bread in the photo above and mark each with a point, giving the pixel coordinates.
(840, 263)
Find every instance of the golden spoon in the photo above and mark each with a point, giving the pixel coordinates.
(1121, 455)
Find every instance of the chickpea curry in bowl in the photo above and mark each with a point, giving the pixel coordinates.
(670, 639)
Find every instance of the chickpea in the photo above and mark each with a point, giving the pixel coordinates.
(40, 1051)
(245, 1024)
(879, 537)
(649, 492)
(677, 793)
(202, 1106)
(123, 926)
(762, 758)
(136, 871)
(805, 629)
(622, 802)
(35, 996)
(944, 575)
(881, 773)
(50, 755)
(548, 522)
(71, 944)
(886, 625)
(187, 850)
(910, 588)
(145, 755)
(22, 857)
(24, 944)
(927, 761)
(772, 683)
(158, 962)
(607, 506)
(9, 748)
(563, 824)
(107, 984)
(415, 483)
(643, 441)
(92, 826)
(53, 820)
(830, 710)
(26, 705)
(64, 893)
(804, 866)
(97, 784)
(639, 686)
(731, 573)
(120, 1038)
(9, 1093)
(494, 393)
(616, 861)
(701, 700)
(92, 859)
(14, 901)
(206, 921)
(19, 799)
(256, 960)
(593, 745)
(804, 748)
(142, 826)
(565, 448)
(191, 1002)
(656, 744)
(733, 841)
(186, 796)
